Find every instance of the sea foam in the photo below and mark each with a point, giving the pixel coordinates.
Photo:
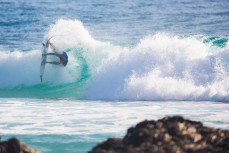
(161, 66)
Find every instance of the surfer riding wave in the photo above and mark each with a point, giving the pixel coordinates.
(63, 57)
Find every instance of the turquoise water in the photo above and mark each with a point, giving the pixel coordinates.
(76, 126)
(61, 143)
(128, 61)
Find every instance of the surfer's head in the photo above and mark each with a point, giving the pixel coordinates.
(63, 61)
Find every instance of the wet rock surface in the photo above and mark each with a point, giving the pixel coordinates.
(13, 145)
(168, 135)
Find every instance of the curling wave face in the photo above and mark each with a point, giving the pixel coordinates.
(159, 67)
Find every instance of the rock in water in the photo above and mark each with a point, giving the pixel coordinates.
(13, 145)
(168, 135)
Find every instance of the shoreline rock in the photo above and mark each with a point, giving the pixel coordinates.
(13, 145)
(168, 135)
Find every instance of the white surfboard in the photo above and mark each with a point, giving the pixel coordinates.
(43, 60)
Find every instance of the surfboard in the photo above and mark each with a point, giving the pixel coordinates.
(43, 60)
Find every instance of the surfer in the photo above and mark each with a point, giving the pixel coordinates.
(63, 57)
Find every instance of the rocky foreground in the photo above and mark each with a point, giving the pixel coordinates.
(168, 135)
(13, 145)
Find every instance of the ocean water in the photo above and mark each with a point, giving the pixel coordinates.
(128, 61)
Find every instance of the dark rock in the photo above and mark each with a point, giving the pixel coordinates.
(10, 146)
(168, 135)
(13, 145)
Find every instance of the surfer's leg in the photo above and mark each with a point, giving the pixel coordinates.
(50, 54)
(55, 63)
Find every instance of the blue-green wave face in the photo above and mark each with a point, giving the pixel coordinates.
(158, 67)
(217, 41)
(58, 87)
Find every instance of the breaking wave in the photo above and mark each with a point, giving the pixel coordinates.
(159, 67)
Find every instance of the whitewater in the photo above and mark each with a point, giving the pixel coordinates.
(159, 67)
(128, 61)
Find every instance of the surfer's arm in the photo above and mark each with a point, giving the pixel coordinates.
(58, 55)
